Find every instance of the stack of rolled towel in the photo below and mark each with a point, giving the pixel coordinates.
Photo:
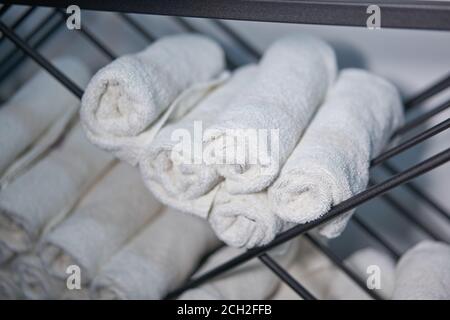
(173, 114)
(316, 132)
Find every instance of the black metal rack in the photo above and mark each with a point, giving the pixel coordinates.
(396, 14)
(408, 14)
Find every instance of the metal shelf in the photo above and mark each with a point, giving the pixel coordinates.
(394, 14)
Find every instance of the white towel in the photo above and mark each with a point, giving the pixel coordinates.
(368, 264)
(49, 189)
(244, 220)
(331, 161)
(114, 210)
(157, 260)
(423, 273)
(5, 252)
(9, 285)
(35, 282)
(250, 281)
(181, 180)
(35, 107)
(124, 98)
(293, 78)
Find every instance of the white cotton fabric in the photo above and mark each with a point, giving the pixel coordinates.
(244, 220)
(157, 260)
(293, 77)
(9, 285)
(177, 177)
(423, 273)
(34, 108)
(5, 252)
(124, 98)
(249, 281)
(35, 282)
(113, 211)
(366, 263)
(331, 162)
(49, 189)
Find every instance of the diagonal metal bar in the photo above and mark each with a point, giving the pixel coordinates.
(236, 37)
(421, 119)
(190, 28)
(20, 20)
(420, 193)
(435, 88)
(408, 215)
(395, 253)
(43, 62)
(92, 38)
(30, 35)
(4, 8)
(442, 126)
(138, 27)
(18, 59)
(286, 277)
(338, 261)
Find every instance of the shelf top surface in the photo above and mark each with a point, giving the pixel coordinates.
(424, 14)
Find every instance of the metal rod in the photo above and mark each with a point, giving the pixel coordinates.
(437, 87)
(20, 20)
(4, 8)
(404, 212)
(236, 37)
(420, 193)
(18, 59)
(337, 261)
(396, 14)
(358, 199)
(38, 58)
(139, 28)
(442, 126)
(286, 277)
(375, 235)
(421, 119)
(92, 38)
(186, 25)
(29, 36)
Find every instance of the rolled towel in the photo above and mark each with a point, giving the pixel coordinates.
(35, 282)
(423, 273)
(293, 78)
(250, 281)
(112, 212)
(157, 260)
(124, 98)
(181, 180)
(49, 189)
(9, 285)
(33, 109)
(244, 220)
(331, 162)
(5, 252)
